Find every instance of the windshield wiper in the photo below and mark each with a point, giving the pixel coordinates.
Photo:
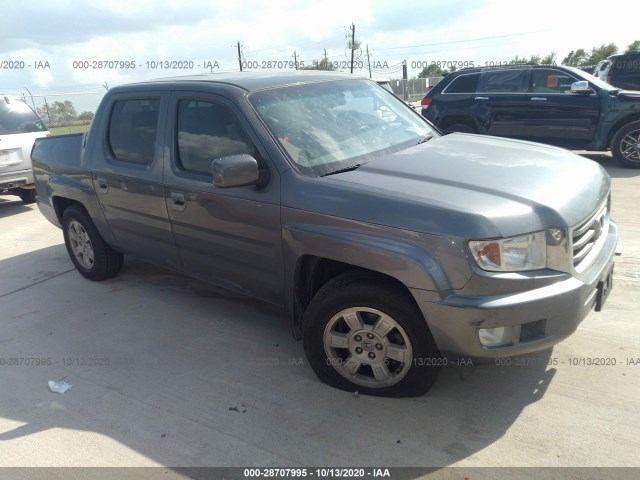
(342, 170)
(425, 139)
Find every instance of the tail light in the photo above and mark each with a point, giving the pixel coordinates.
(608, 79)
(425, 101)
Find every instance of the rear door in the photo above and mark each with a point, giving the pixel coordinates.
(500, 100)
(554, 115)
(127, 176)
(229, 237)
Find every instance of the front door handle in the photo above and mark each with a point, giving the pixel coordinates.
(178, 201)
(103, 186)
(539, 99)
(481, 98)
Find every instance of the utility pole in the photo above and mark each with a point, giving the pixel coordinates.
(326, 61)
(368, 61)
(295, 59)
(353, 43)
(405, 92)
(239, 56)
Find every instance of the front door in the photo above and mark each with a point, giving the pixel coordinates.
(554, 115)
(230, 237)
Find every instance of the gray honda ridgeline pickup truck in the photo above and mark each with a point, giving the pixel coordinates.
(393, 248)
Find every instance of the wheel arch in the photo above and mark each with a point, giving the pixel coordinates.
(399, 264)
(455, 118)
(619, 124)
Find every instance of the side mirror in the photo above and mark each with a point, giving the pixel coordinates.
(237, 171)
(580, 87)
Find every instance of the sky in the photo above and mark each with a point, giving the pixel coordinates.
(46, 47)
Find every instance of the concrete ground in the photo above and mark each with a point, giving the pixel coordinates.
(167, 371)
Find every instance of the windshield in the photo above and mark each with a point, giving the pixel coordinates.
(327, 127)
(594, 80)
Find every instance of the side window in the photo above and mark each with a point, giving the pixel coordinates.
(207, 131)
(550, 81)
(132, 130)
(464, 84)
(503, 81)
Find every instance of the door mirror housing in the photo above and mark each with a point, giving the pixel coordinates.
(580, 87)
(238, 171)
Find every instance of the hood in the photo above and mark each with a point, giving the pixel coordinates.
(469, 186)
(630, 94)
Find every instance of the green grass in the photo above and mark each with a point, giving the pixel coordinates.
(71, 129)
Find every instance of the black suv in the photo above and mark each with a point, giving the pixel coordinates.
(551, 104)
(622, 71)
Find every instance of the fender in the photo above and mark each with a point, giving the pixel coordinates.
(398, 254)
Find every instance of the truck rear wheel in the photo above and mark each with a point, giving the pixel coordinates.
(625, 145)
(362, 334)
(90, 254)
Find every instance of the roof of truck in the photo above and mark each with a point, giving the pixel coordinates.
(252, 80)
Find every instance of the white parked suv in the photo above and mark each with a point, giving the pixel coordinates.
(19, 127)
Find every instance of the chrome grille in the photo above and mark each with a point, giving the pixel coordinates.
(585, 237)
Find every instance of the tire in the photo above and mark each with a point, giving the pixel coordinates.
(625, 145)
(397, 358)
(27, 195)
(459, 127)
(90, 254)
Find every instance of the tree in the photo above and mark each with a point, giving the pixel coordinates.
(633, 47)
(432, 70)
(518, 59)
(550, 59)
(602, 53)
(59, 112)
(86, 116)
(323, 64)
(576, 58)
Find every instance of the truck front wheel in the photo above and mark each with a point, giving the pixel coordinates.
(626, 145)
(363, 334)
(90, 254)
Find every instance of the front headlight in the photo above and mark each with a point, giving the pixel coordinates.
(515, 254)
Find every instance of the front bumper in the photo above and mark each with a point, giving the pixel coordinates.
(557, 310)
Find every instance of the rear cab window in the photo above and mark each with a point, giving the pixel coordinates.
(133, 128)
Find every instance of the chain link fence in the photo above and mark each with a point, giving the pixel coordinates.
(416, 87)
(63, 113)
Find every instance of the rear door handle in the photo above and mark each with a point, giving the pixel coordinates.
(481, 98)
(539, 99)
(178, 201)
(103, 186)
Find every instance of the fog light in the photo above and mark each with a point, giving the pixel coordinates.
(495, 337)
